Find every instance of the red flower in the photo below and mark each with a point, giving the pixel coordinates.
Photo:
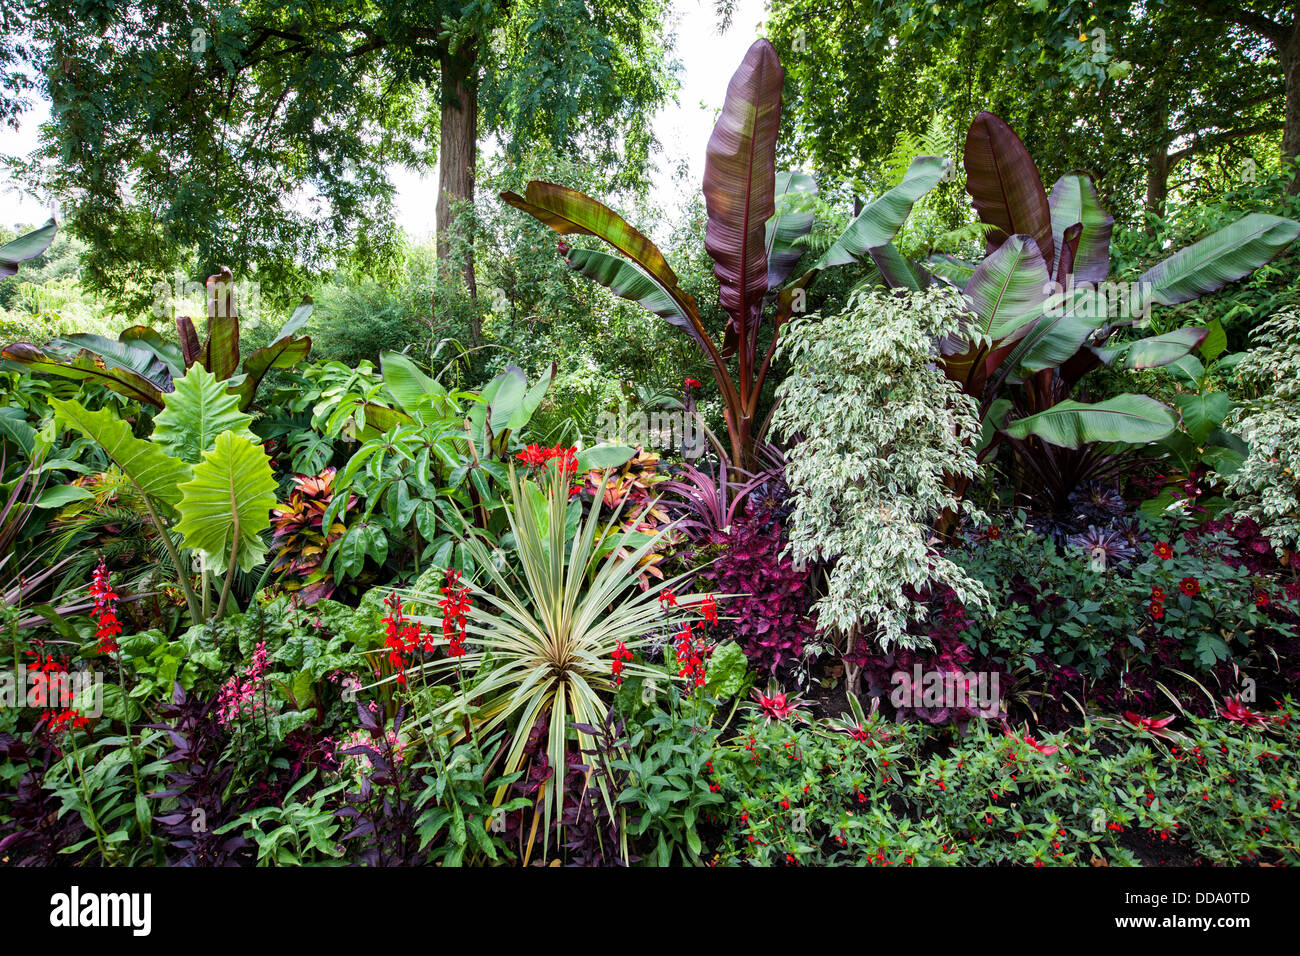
(534, 456)
(620, 655)
(1261, 599)
(1190, 586)
(1158, 595)
(107, 626)
(667, 599)
(709, 608)
(992, 532)
(1045, 749)
(1153, 725)
(1237, 712)
(1163, 550)
(690, 383)
(778, 707)
(1157, 611)
(455, 605)
(692, 652)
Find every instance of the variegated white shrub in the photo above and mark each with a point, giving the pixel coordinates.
(878, 426)
(1266, 485)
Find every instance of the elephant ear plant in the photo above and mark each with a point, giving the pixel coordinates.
(203, 478)
(143, 366)
(1043, 311)
(755, 248)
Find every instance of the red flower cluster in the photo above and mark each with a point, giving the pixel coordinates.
(535, 456)
(690, 383)
(667, 599)
(455, 605)
(1157, 603)
(107, 626)
(620, 655)
(1190, 586)
(50, 688)
(692, 652)
(709, 608)
(401, 636)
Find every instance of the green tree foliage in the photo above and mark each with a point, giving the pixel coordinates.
(260, 136)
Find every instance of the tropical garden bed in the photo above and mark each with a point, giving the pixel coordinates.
(923, 558)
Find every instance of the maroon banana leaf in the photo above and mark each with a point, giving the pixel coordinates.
(1074, 201)
(739, 186)
(1005, 187)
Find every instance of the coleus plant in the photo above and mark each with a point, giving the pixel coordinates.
(755, 248)
(143, 366)
(1043, 311)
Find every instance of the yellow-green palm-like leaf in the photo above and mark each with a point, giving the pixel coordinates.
(199, 410)
(227, 505)
(153, 471)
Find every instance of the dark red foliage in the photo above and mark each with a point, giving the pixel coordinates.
(770, 618)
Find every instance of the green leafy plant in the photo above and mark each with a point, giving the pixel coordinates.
(754, 249)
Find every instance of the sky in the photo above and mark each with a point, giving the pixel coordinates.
(708, 59)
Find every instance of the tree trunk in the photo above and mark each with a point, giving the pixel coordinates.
(1289, 56)
(457, 152)
(1157, 185)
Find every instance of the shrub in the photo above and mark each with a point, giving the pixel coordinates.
(881, 434)
(1266, 484)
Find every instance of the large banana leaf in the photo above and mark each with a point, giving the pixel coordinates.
(1221, 257)
(134, 372)
(1008, 289)
(1005, 187)
(898, 271)
(27, 246)
(199, 410)
(1130, 419)
(220, 353)
(1156, 350)
(570, 212)
(629, 281)
(226, 505)
(1074, 200)
(285, 351)
(152, 470)
(739, 186)
(785, 229)
(881, 218)
(151, 340)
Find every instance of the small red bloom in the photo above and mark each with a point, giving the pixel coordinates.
(709, 608)
(1190, 586)
(1163, 550)
(1157, 611)
(1158, 595)
(1237, 712)
(992, 532)
(1261, 599)
(691, 383)
(620, 656)
(1045, 749)
(667, 599)
(107, 626)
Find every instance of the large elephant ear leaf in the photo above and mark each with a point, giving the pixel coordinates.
(1004, 184)
(152, 470)
(27, 246)
(120, 367)
(1129, 419)
(227, 503)
(1074, 200)
(786, 228)
(1221, 257)
(740, 183)
(200, 409)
